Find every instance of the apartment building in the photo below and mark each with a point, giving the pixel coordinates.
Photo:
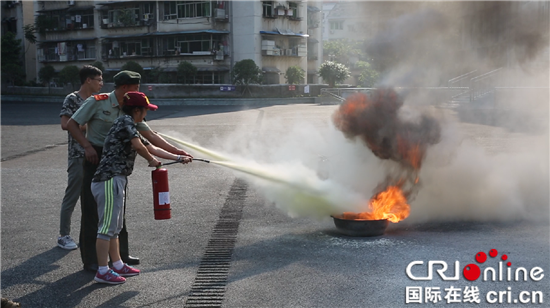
(15, 15)
(211, 35)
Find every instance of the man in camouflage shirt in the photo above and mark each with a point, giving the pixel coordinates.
(122, 143)
(91, 81)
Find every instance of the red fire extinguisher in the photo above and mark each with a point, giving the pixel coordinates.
(161, 193)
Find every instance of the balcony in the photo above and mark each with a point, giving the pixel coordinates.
(65, 19)
(127, 14)
(71, 55)
(312, 57)
(115, 25)
(270, 49)
(294, 18)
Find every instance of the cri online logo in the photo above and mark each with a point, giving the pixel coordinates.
(472, 271)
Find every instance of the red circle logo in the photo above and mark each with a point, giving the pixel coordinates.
(471, 272)
(481, 257)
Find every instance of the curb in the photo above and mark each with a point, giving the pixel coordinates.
(180, 101)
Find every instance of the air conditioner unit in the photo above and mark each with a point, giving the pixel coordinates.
(220, 13)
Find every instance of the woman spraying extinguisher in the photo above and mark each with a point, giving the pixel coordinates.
(122, 144)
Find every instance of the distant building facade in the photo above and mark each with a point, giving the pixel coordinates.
(211, 35)
(15, 15)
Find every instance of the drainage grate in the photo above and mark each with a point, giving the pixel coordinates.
(209, 287)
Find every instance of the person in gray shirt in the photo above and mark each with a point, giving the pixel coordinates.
(91, 81)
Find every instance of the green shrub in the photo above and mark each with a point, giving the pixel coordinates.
(333, 72)
(294, 75)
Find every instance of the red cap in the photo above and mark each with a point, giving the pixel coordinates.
(138, 99)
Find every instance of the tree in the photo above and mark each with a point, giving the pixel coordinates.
(246, 72)
(99, 65)
(44, 23)
(333, 72)
(368, 76)
(12, 66)
(294, 75)
(186, 72)
(133, 66)
(156, 74)
(127, 17)
(46, 75)
(70, 74)
(343, 51)
(30, 35)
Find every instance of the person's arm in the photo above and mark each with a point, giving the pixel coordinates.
(78, 135)
(165, 154)
(143, 152)
(158, 141)
(65, 119)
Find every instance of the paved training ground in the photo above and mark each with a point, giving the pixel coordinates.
(225, 246)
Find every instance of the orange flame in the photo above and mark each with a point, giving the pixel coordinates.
(411, 153)
(390, 204)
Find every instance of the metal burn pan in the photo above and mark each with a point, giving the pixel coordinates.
(353, 227)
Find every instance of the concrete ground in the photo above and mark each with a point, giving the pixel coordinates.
(269, 259)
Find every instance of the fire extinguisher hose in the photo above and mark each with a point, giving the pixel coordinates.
(194, 159)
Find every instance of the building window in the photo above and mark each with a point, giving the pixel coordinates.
(190, 9)
(337, 25)
(51, 21)
(148, 8)
(80, 19)
(128, 48)
(186, 9)
(268, 9)
(195, 43)
(170, 11)
(67, 51)
(82, 51)
(131, 48)
(209, 78)
(186, 44)
(293, 9)
(124, 17)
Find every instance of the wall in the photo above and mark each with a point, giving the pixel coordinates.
(162, 91)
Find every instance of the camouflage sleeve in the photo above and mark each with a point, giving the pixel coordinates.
(69, 106)
(130, 127)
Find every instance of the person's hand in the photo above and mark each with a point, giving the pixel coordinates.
(154, 163)
(184, 159)
(182, 152)
(91, 155)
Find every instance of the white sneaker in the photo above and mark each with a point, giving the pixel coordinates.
(66, 242)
